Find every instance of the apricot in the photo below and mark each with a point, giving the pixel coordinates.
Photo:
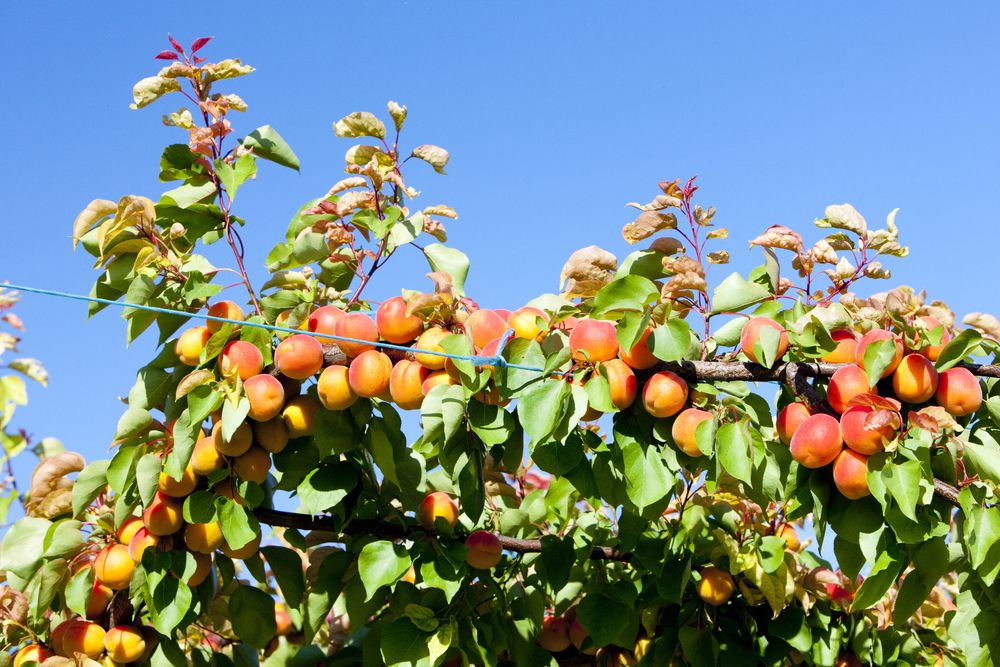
(483, 326)
(715, 586)
(850, 474)
(58, 632)
(100, 598)
(244, 552)
(877, 335)
(190, 344)
(846, 383)
(554, 635)
(577, 633)
(958, 391)
(665, 394)
(142, 540)
(437, 505)
(369, 373)
(282, 621)
(750, 336)
(640, 357)
(405, 384)
(324, 320)
(817, 441)
(621, 382)
(32, 653)
(684, 427)
(431, 340)
(411, 575)
(484, 550)
(237, 444)
(334, 388)
(524, 323)
(179, 488)
(932, 352)
(226, 309)
(359, 327)
(789, 420)
(266, 396)
(271, 435)
(129, 527)
(791, 537)
(124, 643)
(847, 346)
(113, 567)
(915, 379)
(83, 637)
(434, 379)
(859, 438)
(253, 466)
(394, 324)
(593, 341)
(203, 538)
(299, 415)
(163, 516)
(206, 459)
(241, 358)
(226, 489)
(299, 356)
(202, 568)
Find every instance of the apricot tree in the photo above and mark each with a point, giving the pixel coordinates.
(619, 473)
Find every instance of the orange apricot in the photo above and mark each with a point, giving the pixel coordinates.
(858, 436)
(716, 586)
(817, 441)
(435, 378)
(931, 324)
(124, 643)
(850, 474)
(271, 435)
(190, 344)
(206, 459)
(142, 540)
(253, 466)
(203, 538)
(640, 357)
(178, 488)
(483, 326)
(431, 340)
(750, 337)
(163, 516)
(241, 358)
(484, 550)
(360, 327)
(915, 379)
(847, 346)
(958, 391)
(129, 527)
(554, 635)
(789, 419)
(32, 654)
(237, 444)
(846, 383)
(100, 598)
(323, 320)
(226, 309)
(334, 388)
(266, 396)
(665, 394)
(877, 335)
(791, 537)
(394, 324)
(299, 415)
(524, 323)
(684, 428)
(593, 340)
(244, 552)
(437, 505)
(621, 382)
(299, 356)
(84, 637)
(369, 373)
(405, 384)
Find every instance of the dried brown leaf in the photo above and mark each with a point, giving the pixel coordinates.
(984, 323)
(779, 236)
(51, 491)
(587, 270)
(667, 245)
(647, 224)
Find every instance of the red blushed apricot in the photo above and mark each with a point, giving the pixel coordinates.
(394, 324)
(639, 357)
(124, 643)
(190, 344)
(334, 388)
(58, 632)
(253, 466)
(716, 586)
(860, 439)
(163, 516)
(266, 396)
(323, 320)
(142, 540)
(484, 550)
(431, 340)
(845, 384)
(621, 382)
(82, 637)
(876, 335)
(817, 441)
(437, 505)
(203, 538)
(405, 384)
(100, 598)
(237, 444)
(113, 567)
(554, 635)
(206, 459)
(485, 325)
(787, 531)
(434, 379)
(271, 435)
(299, 356)
(665, 394)
(357, 326)
(178, 488)
(915, 379)
(369, 373)
(244, 552)
(226, 309)
(129, 527)
(299, 415)
(524, 322)
(32, 654)
(241, 358)
(958, 392)
(684, 427)
(751, 334)
(847, 345)
(593, 340)
(282, 621)
(932, 352)
(789, 420)
(850, 474)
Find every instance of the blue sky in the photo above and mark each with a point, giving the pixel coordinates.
(556, 115)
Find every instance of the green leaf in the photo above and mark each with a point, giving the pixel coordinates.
(89, 484)
(766, 346)
(629, 293)
(734, 294)
(557, 559)
(78, 591)
(403, 643)
(235, 175)
(648, 481)
(672, 341)
(286, 565)
(269, 145)
(234, 416)
(885, 572)
(132, 422)
(605, 618)
(188, 194)
(771, 553)
(905, 482)
(958, 349)
(147, 476)
(733, 443)
(381, 563)
(251, 611)
(449, 260)
(878, 357)
(540, 408)
(327, 485)
(239, 525)
(150, 389)
(23, 546)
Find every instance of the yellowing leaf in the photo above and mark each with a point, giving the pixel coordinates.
(718, 257)
(587, 270)
(96, 211)
(360, 124)
(225, 69)
(435, 156)
(647, 224)
(779, 236)
(32, 368)
(984, 323)
(443, 211)
(843, 216)
(151, 89)
(346, 184)
(398, 113)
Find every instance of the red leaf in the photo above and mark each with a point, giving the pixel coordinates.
(166, 55)
(174, 43)
(200, 42)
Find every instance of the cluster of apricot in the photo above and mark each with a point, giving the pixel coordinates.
(484, 547)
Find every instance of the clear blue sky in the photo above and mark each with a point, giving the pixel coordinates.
(556, 115)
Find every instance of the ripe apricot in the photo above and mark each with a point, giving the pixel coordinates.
(789, 419)
(931, 324)
(203, 538)
(357, 326)
(179, 488)
(524, 322)
(226, 489)
(846, 383)
(640, 357)
(31, 654)
(860, 438)
(665, 394)
(877, 335)
(100, 598)
(593, 341)
(847, 347)
(405, 384)
(621, 382)
(915, 379)
(163, 516)
(817, 441)
(435, 505)
(58, 632)
(434, 379)
(129, 527)
(84, 637)
(334, 388)
(484, 550)
(190, 344)
(958, 391)
(369, 373)
(684, 427)
(271, 435)
(715, 586)
(411, 575)
(394, 324)
(554, 635)
(751, 333)
(124, 643)
(431, 340)
(483, 326)
(238, 444)
(202, 568)
(253, 466)
(225, 309)
(206, 459)
(244, 552)
(241, 358)
(266, 396)
(142, 540)
(791, 537)
(299, 356)
(282, 621)
(324, 320)
(299, 415)
(850, 474)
